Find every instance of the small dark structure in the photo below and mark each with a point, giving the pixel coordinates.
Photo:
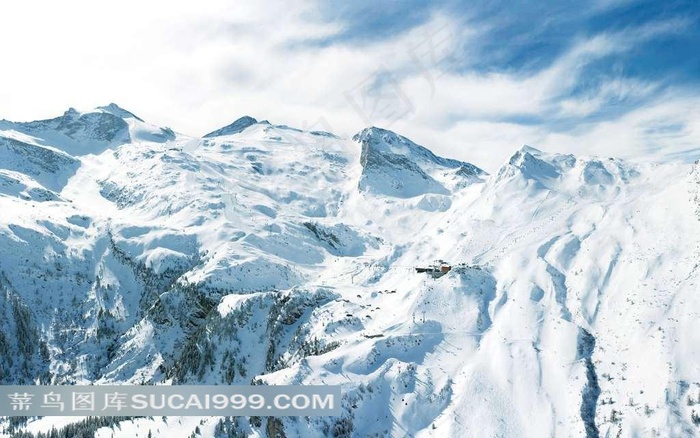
(437, 269)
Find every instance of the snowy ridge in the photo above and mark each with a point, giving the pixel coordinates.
(234, 128)
(91, 132)
(49, 167)
(264, 253)
(395, 166)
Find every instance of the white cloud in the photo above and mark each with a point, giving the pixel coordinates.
(196, 66)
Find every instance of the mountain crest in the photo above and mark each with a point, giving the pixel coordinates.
(234, 128)
(118, 111)
(530, 162)
(91, 132)
(393, 165)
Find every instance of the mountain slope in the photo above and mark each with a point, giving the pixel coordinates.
(234, 128)
(393, 165)
(265, 253)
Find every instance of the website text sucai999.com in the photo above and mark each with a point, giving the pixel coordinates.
(183, 400)
(236, 402)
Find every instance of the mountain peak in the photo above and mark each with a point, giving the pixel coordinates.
(523, 155)
(393, 165)
(118, 111)
(374, 134)
(388, 142)
(234, 128)
(531, 162)
(89, 132)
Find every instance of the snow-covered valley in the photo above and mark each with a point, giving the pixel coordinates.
(262, 253)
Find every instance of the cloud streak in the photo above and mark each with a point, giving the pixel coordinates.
(469, 80)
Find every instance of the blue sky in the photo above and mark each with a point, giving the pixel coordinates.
(469, 79)
(526, 36)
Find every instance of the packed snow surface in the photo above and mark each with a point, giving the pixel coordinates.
(130, 253)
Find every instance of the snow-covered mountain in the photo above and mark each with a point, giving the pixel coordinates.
(262, 253)
(393, 165)
(234, 128)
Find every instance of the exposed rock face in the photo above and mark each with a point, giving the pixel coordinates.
(234, 128)
(392, 165)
